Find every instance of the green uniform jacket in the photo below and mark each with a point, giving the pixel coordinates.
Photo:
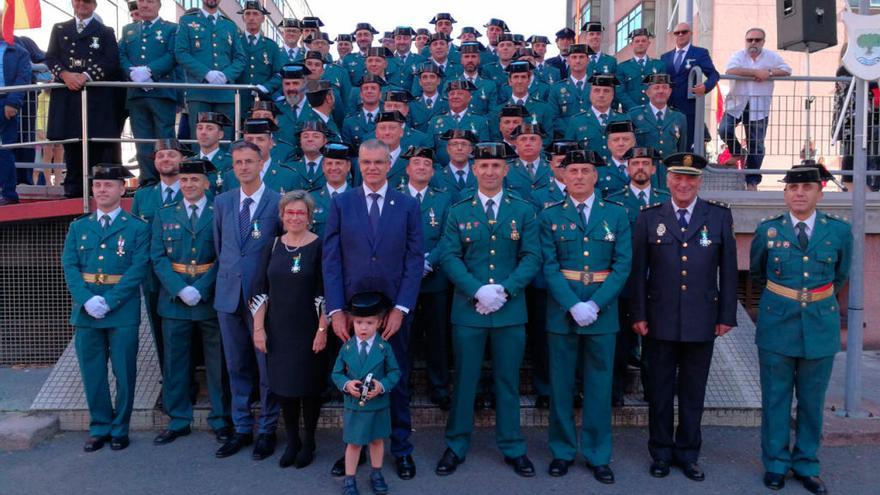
(539, 113)
(567, 100)
(301, 174)
(153, 48)
(444, 180)
(668, 137)
(279, 178)
(586, 126)
(453, 71)
(262, 63)
(476, 123)
(605, 64)
(625, 198)
(434, 210)
(407, 67)
(322, 207)
(356, 128)
(421, 116)
(537, 88)
(147, 202)
(476, 253)
(175, 241)
(485, 98)
(523, 184)
(785, 326)
(548, 74)
(380, 362)
(288, 122)
(309, 115)
(631, 92)
(202, 46)
(605, 243)
(122, 249)
(548, 194)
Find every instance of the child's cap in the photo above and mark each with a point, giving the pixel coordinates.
(368, 304)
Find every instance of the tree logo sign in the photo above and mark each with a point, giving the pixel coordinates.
(862, 57)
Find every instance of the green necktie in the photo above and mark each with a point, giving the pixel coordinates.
(803, 240)
(169, 196)
(363, 353)
(490, 211)
(194, 216)
(105, 221)
(643, 198)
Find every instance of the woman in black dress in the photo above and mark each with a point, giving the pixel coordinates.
(289, 325)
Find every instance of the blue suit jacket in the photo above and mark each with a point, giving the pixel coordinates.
(356, 260)
(16, 72)
(694, 56)
(238, 261)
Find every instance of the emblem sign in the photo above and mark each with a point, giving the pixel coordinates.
(862, 57)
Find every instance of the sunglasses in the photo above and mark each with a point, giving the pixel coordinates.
(679, 33)
(754, 40)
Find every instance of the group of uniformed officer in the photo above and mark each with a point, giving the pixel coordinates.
(545, 215)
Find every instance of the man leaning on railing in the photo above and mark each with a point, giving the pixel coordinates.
(748, 101)
(15, 70)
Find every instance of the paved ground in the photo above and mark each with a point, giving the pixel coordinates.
(730, 458)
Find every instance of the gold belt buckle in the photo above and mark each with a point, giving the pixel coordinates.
(587, 278)
(805, 296)
(99, 278)
(191, 270)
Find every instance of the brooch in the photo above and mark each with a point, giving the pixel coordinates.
(120, 246)
(159, 36)
(661, 229)
(514, 234)
(771, 232)
(95, 45)
(609, 236)
(255, 231)
(432, 216)
(704, 237)
(296, 267)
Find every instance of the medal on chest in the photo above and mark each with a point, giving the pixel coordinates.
(704, 237)
(295, 266)
(159, 36)
(255, 230)
(514, 234)
(661, 229)
(120, 246)
(433, 222)
(609, 236)
(95, 45)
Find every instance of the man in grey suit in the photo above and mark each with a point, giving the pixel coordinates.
(245, 219)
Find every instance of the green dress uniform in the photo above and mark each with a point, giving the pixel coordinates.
(262, 63)
(474, 123)
(537, 88)
(407, 65)
(631, 74)
(151, 112)
(524, 183)
(567, 100)
(322, 197)
(277, 177)
(451, 72)
(309, 115)
(548, 74)
(612, 178)
(147, 202)
(668, 136)
(109, 262)
(601, 64)
(446, 180)
(204, 44)
(397, 176)
(476, 253)
(358, 125)
(371, 421)
(182, 253)
(539, 112)
(308, 177)
(586, 126)
(798, 332)
(583, 262)
(548, 194)
(485, 97)
(289, 121)
(421, 115)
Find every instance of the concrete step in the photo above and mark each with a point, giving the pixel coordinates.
(23, 431)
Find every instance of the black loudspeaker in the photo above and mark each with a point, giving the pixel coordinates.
(806, 25)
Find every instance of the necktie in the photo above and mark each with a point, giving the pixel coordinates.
(622, 169)
(333, 194)
(146, 27)
(520, 102)
(642, 63)
(105, 221)
(80, 25)
(659, 115)
(531, 168)
(213, 19)
(290, 53)
(194, 216)
(803, 240)
(593, 58)
(244, 218)
(363, 353)
(169, 196)
(252, 40)
(457, 117)
(310, 174)
(369, 118)
(429, 102)
(580, 85)
(682, 218)
(461, 182)
(490, 211)
(678, 58)
(643, 198)
(603, 119)
(582, 211)
(374, 212)
(419, 196)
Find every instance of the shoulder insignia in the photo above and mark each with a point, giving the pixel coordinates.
(839, 218)
(648, 207)
(718, 203)
(464, 200)
(611, 201)
(771, 218)
(192, 11)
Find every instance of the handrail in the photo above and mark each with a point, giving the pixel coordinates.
(130, 84)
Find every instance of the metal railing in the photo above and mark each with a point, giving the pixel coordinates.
(84, 138)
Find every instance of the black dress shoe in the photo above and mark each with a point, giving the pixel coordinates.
(521, 466)
(264, 446)
(119, 443)
(448, 463)
(617, 402)
(813, 484)
(542, 402)
(693, 471)
(338, 468)
(8, 201)
(603, 474)
(305, 456)
(774, 481)
(169, 436)
(406, 468)
(659, 469)
(559, 467)
(288, 458)
(95, 443)
(234, 444)
(224, 434)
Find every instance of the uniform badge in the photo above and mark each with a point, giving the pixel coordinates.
(219, 181)
(769, 244)
(661, 229)
(469, 226)
(228, 39)
(771, 232)
(786, 244)
(553, 227)
(120, 246)
(433, 217)
(514, 234)
(295, 266)
(266, 58)
(95, 45)
(605, 69)
(704, 237)
(677, 133)
(609, 236)
(572, 226)
(255, 230)
(159, 36)
(198, 44)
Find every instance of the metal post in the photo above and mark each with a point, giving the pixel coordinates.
(695, 76)
(85, 147)
(237, 124)
(808, 145)
(689, 13)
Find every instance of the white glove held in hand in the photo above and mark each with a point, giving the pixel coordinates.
(584, 313)
(96, 307)
(189, 295)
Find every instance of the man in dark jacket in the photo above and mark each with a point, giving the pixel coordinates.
(16, 71)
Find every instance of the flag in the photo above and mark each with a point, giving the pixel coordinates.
(20, 14)
(719, 106)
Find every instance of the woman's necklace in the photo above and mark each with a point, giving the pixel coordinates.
(295, 266)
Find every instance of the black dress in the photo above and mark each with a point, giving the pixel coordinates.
(291, 277)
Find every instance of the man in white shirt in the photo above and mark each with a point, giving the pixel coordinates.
(748, 101)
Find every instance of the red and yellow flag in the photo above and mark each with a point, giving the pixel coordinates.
(20, 14)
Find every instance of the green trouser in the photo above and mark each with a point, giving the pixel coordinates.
(508, 345)
(150, 118)
(195, 107)
(177, 376)
(151, 303)
(93, 347)
(808, 378)
(597, 363)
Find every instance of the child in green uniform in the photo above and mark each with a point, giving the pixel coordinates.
(366, 361)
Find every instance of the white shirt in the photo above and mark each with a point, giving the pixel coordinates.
(256, 196)
(215, 15)
(266, 165)
(520, 100)
(381, 200)
(113, 214)
(325, 118)
(163, 189)
(256, 37)
(495, 199)
(413, 191)
(617, 165)
(810, 223)
(299, 106)
(458, 116)
(209, 156)
(369, 342)
(576, 81)
(372, 113)
(690, 210)
(432, 99)
(393, 154)
(454, 171)
(341, 189)
(597, 113)
(635, 190)
(755, 94)
(560, 185)
(654, 110)
(84, 22)
(589, 202)
(200, 206)
(438, 64)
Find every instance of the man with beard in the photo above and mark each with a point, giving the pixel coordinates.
(486, 94)
(406, 59)
(458, 117)
(293, 102)
(263, 58)
(355, 63)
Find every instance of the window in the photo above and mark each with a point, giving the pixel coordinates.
(189, 4)
(586, 11)
(628, 24)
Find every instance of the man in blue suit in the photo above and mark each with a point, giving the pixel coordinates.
(245, 219)
(679, 62)
(373, 242)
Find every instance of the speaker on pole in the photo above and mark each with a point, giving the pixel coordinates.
(806, 25)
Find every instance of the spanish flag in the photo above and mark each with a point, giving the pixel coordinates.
(20, 14)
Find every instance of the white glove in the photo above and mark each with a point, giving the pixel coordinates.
(140, 74)
(584, 313)
(222, 77)
(491, 297)
(96, 307)
(189, 295)
(427, 269)
(262, 89)
(215, 77)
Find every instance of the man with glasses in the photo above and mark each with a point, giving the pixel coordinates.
(748, 101)
(679, 62)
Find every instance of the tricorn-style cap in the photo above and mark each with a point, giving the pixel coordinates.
(110, 171)
(197, 166)
(582, 156)
(685, 164)
(365, 26)
(259, 126)
(442, 16)
(561, 147)
(338, 151)
(641, 152)
(368, 304)
(492, 151)
(253, 5)
(214, 118)
(294, 71)
(419, 151)
(465, 134)
(619, 126)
